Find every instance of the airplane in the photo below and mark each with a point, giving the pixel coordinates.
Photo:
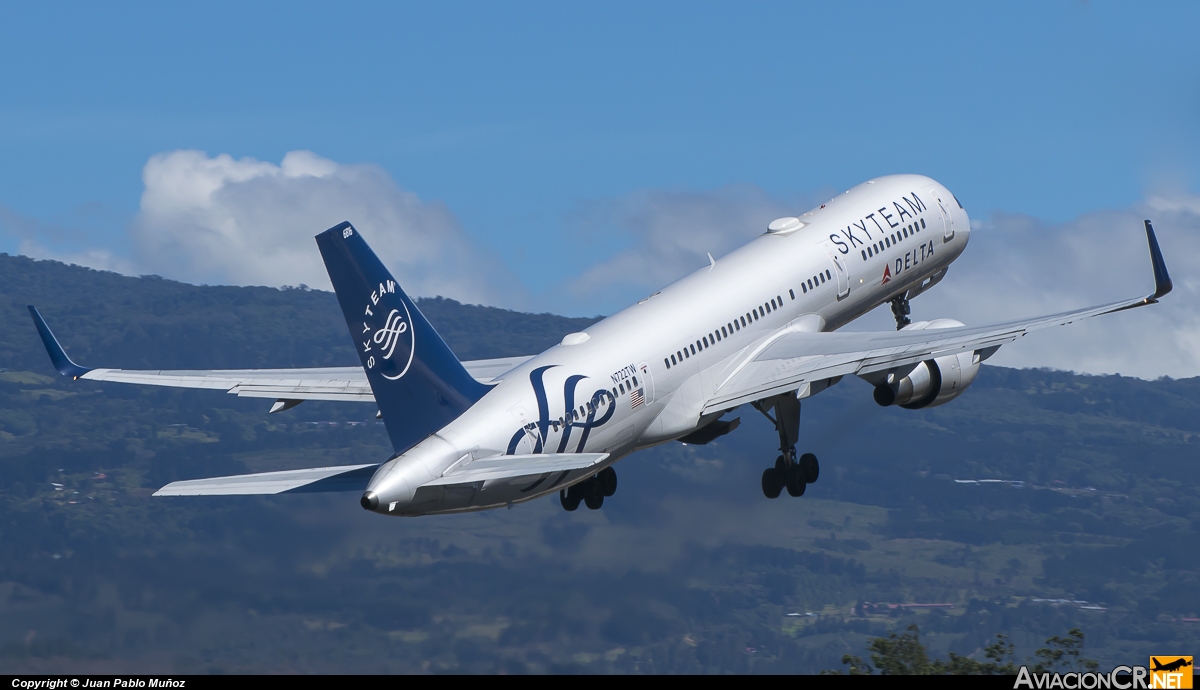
(758, 327)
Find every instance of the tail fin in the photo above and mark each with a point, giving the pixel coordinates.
(419, 385)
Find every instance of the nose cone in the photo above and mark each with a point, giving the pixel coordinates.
(369, 501)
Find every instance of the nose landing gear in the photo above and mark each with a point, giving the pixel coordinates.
(591, 492)
(790, 472)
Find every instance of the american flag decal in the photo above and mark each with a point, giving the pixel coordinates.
(636, 399)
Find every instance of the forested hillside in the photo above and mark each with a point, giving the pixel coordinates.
(1037, 502)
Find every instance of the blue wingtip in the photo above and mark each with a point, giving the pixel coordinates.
(1162, 280)
(58, 356)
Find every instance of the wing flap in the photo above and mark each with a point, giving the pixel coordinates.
(313, 480)
(513, 466)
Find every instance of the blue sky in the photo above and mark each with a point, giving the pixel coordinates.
(539, 130)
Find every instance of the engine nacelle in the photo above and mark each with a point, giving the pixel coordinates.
(932, 382)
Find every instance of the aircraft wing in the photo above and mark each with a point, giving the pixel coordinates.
(356, 477)
(790, 359)
(327, 383)
(314, 480)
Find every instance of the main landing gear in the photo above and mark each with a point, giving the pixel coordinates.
(901, 310)
(790, 472)
(591, 492)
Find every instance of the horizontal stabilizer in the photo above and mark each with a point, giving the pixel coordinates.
(313, 480)
(510, 466)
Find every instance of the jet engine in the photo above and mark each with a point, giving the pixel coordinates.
(932, 382)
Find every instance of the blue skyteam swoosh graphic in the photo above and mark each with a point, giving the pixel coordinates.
(569, 421)
(540, 429)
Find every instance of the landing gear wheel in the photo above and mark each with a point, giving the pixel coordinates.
(900, 310)
(781, 466)
(594, 498)
(810, 468)
(569, 499)
(771, 485)
(608, 481)
(795, 482)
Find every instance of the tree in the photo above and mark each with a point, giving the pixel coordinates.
(904, 655)
(1063, 654)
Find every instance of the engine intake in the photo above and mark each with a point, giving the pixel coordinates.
(932, 382)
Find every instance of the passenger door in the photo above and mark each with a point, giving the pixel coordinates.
(840, 271)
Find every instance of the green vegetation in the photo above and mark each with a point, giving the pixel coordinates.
(904, 655)
(686, 569)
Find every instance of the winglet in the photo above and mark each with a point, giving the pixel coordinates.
(1162, 281)
(58, 356)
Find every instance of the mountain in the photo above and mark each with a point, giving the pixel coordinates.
(1038, 501)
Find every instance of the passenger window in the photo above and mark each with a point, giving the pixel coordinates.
(591, 410)
(736, 326)
(635, 380)
(792, 293)
(673, 360)
(828, 274)
(693, 349)
(724, 333)
(922, 223)
(804, 287)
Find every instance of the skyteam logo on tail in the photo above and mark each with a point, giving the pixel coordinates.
(387, 336)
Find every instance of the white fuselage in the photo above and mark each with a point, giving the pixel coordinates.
(853, 253)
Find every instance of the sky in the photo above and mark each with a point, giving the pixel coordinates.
(573, 157)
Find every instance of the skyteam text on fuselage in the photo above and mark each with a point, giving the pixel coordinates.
(758, 326)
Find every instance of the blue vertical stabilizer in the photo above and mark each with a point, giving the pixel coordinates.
(419, 385)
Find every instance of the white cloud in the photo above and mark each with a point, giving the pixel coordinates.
(59, 242)
(222, 220)
(670, 234)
